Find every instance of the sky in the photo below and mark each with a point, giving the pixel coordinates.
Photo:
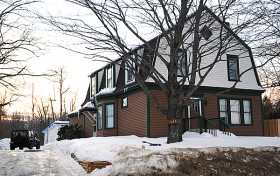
(129, 154)
(53, 57)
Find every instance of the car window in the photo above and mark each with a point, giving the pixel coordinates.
(23, 133)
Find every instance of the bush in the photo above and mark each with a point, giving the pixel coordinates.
(70, 132)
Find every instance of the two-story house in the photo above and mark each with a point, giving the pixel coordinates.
(124, 109)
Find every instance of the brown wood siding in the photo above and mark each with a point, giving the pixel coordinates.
(211, 106)
(87, 126)
(158, 121)
(256, 129)
(211, 111)
(132, 120)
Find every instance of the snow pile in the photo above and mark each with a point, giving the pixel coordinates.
(129, 154)
(5, 144)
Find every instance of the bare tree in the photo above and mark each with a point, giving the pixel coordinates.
(60, 75)
(15, 38)
(3, 100)
(261, 29)
(73, 102)
(176, 23)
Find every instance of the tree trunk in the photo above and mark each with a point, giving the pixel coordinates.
(174, 132)
(175, 112)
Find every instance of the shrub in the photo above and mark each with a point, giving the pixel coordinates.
(70, 132)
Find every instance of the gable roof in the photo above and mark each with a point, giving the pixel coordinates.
(151, 42)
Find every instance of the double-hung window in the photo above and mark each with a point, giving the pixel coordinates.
(110, 115)
(235, 112)
(233, 67)
(182, 63)
(223, 109)
(247, 112)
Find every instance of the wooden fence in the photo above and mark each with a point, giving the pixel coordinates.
(272, 127)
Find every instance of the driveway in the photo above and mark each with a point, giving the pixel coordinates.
(37, 163)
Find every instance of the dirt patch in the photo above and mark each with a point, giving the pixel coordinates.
(228, 161)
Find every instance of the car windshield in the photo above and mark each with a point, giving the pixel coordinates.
(19, 133)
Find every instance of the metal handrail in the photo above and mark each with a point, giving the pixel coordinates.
(225, 126)
(211, 131)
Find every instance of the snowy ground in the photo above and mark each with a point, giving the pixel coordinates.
(129, 154)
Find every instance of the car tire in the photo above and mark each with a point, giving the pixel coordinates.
(38, 146)
(30, 147)
(21, 148)
(12, 148)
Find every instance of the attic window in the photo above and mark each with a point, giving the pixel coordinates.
(206, 32)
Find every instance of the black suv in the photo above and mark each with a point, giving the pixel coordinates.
(24, 138)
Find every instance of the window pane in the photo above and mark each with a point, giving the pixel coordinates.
(233, 67)
(235, 111)
(235, 118)
(223, 104)
(247, 112)
(223, 109)
(124, 102)
(247, 118)
(99, 117)
(247, 106)
(110, 116)
(110, 77)
(206, 32)
(93, 86)
(181, 71)
(129, 76)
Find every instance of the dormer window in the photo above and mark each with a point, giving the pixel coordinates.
(206, 32)
(109, 77)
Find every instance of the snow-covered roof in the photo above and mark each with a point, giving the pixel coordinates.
(106, 91)
(89, 105)
(55, 123)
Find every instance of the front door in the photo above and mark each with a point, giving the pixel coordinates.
(194, 112)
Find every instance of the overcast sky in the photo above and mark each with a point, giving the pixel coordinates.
(53, 57)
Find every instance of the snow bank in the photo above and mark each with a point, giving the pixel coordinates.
(129, 154)
(5, 144)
